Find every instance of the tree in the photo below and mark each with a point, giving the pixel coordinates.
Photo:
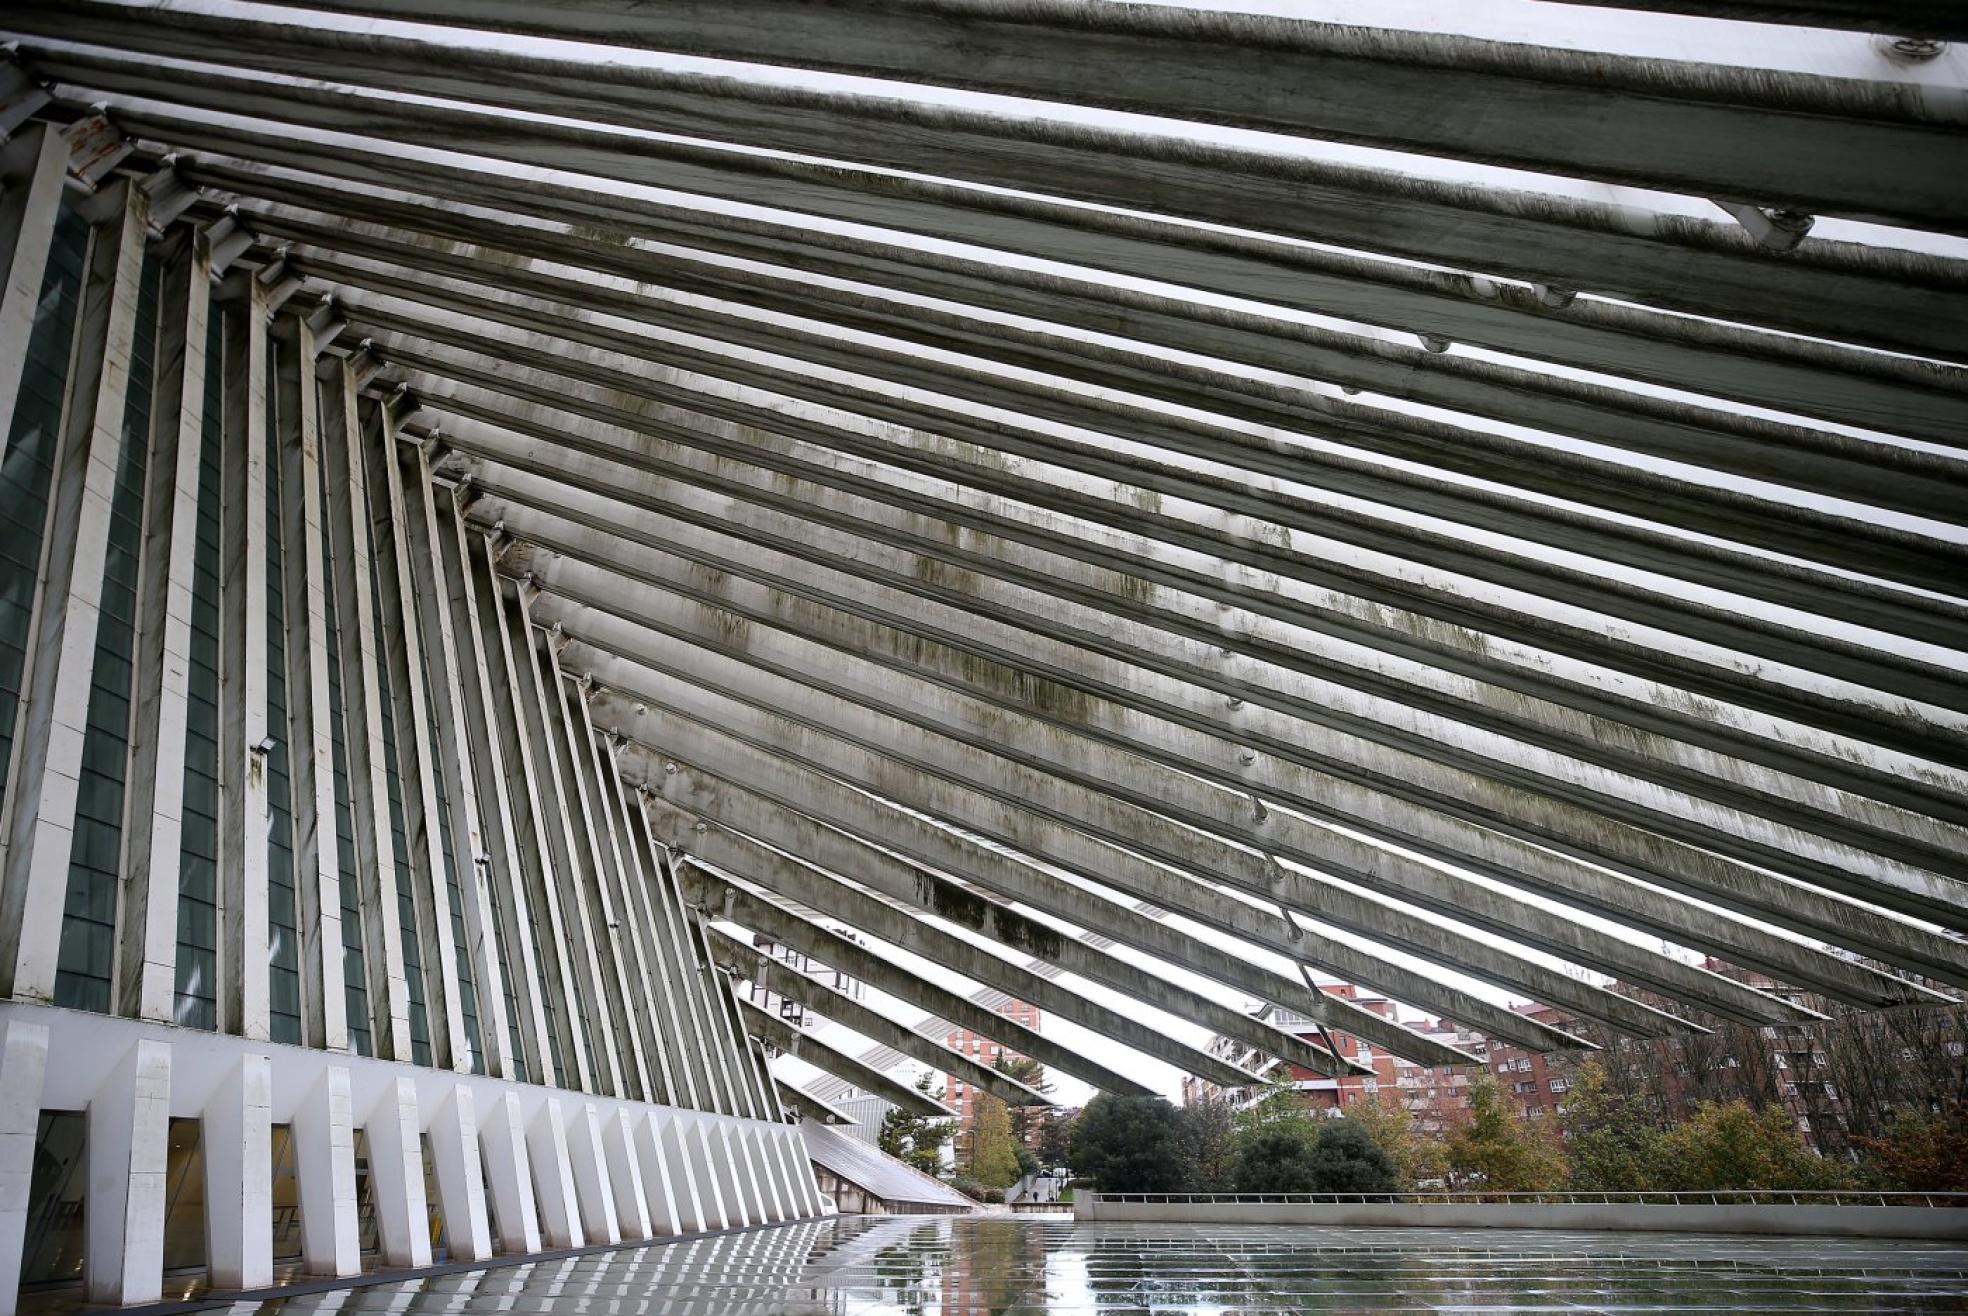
(1026, 1121)
(1613, 1140)
(1209, 1145)
(1280, 1108)
(1129, 1144)
(916, 1140)
(1729, 1145)
(1346, 1159)
(1277, 1160)
(1056, 1137)
(1416, 1159)
(1923, 1153)
(1495, 1150)
(993, 1158)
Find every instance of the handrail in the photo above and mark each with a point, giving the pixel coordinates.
(1688, 1197)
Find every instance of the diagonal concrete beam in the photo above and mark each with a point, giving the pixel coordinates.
(800, 882)
(783, 1037)
(720, 897)
(807, 1106)
(779, 977)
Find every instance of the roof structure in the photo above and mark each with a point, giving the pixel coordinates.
(1418, 493)
(876, 1174)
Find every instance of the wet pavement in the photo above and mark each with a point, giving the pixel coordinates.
(943, 1266)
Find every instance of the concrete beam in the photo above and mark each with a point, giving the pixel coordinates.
(783, 1037)
(801, 882)
(782, 979)
(807, 1106)
(1868, 154)
(671, 594)
(726, 899)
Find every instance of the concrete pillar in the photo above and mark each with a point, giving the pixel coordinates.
(672, 1134)
(23, 1071)
(798, 1169)
(460, 1176)
(148, 948)
(713, 1173)
(396, 1176)
(741, 1200)
(659, 1185)
(310, 753)
(553, 1176)
(625, 1174)
(774, 1192)
(129, 1135)
(345, 485)
(324, 1169)
(244, 810)
(508, 1177)
(32, 165)
(236, 1142)
(592, 1188)
(61, 664)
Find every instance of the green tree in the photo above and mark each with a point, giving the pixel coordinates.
(1282, 1107)
(1612, 1139)
(1416, 1159)
(1495, 1150)
(916, 1140)
(1277, 1160)
(1730, 1145)
(1056, 1138)
(1129, 1144)
(1209, 1145)
(1346, 1159)
(993, 1154)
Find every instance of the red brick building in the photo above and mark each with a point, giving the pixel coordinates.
(961, 1096)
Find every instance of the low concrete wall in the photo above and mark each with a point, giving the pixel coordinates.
(1842, 1221)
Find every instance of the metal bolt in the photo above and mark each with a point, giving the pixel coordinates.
(669, 767)
(1909, 50)
(1247, 758)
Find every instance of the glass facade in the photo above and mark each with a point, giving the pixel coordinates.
(455, 897)
(399, 851)
(86, 960)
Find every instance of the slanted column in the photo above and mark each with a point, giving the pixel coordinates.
(801, 1168)
(60, 673)
(689, 1194)
(715, 1185)
(659, 1185)
(33, 164)
(460, 1180)
(236, 1143)
(773, 1195)
(741, 1205)
(508, 1177)
(311, 752)
(396, 1176)
(345, 488)
(625, 1175)
(324, 1169)
(244, 810)
(129, 1143)
(162, 703)
(592, 1187)
(553, 1176)
(23, 1074)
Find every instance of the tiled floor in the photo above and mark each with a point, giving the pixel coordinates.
(949, 1265)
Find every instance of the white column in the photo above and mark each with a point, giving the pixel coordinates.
(460, 1177)
(23, 1068)
(508, 1178)
(129, 1137)
(741, 1203)
(310, 745)
(708, 1158)
(32, 166)
(802, 1163)
(61, 664)
(244, 810)
(324, 1170)
(658, 1186)
(236, 1138)
(553, 1176)
(591, 1186)
(396, 1176)
(671, 1134)
(625, 1174)
(773, 1189)
(795, 1171)
(148, 945)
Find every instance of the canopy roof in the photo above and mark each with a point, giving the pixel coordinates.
(1469, 503)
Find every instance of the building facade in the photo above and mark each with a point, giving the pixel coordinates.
(327, 913)
(961, 1096)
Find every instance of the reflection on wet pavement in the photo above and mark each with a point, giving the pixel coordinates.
(942, 1266)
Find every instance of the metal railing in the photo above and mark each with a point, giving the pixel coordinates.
(1702, 1197)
